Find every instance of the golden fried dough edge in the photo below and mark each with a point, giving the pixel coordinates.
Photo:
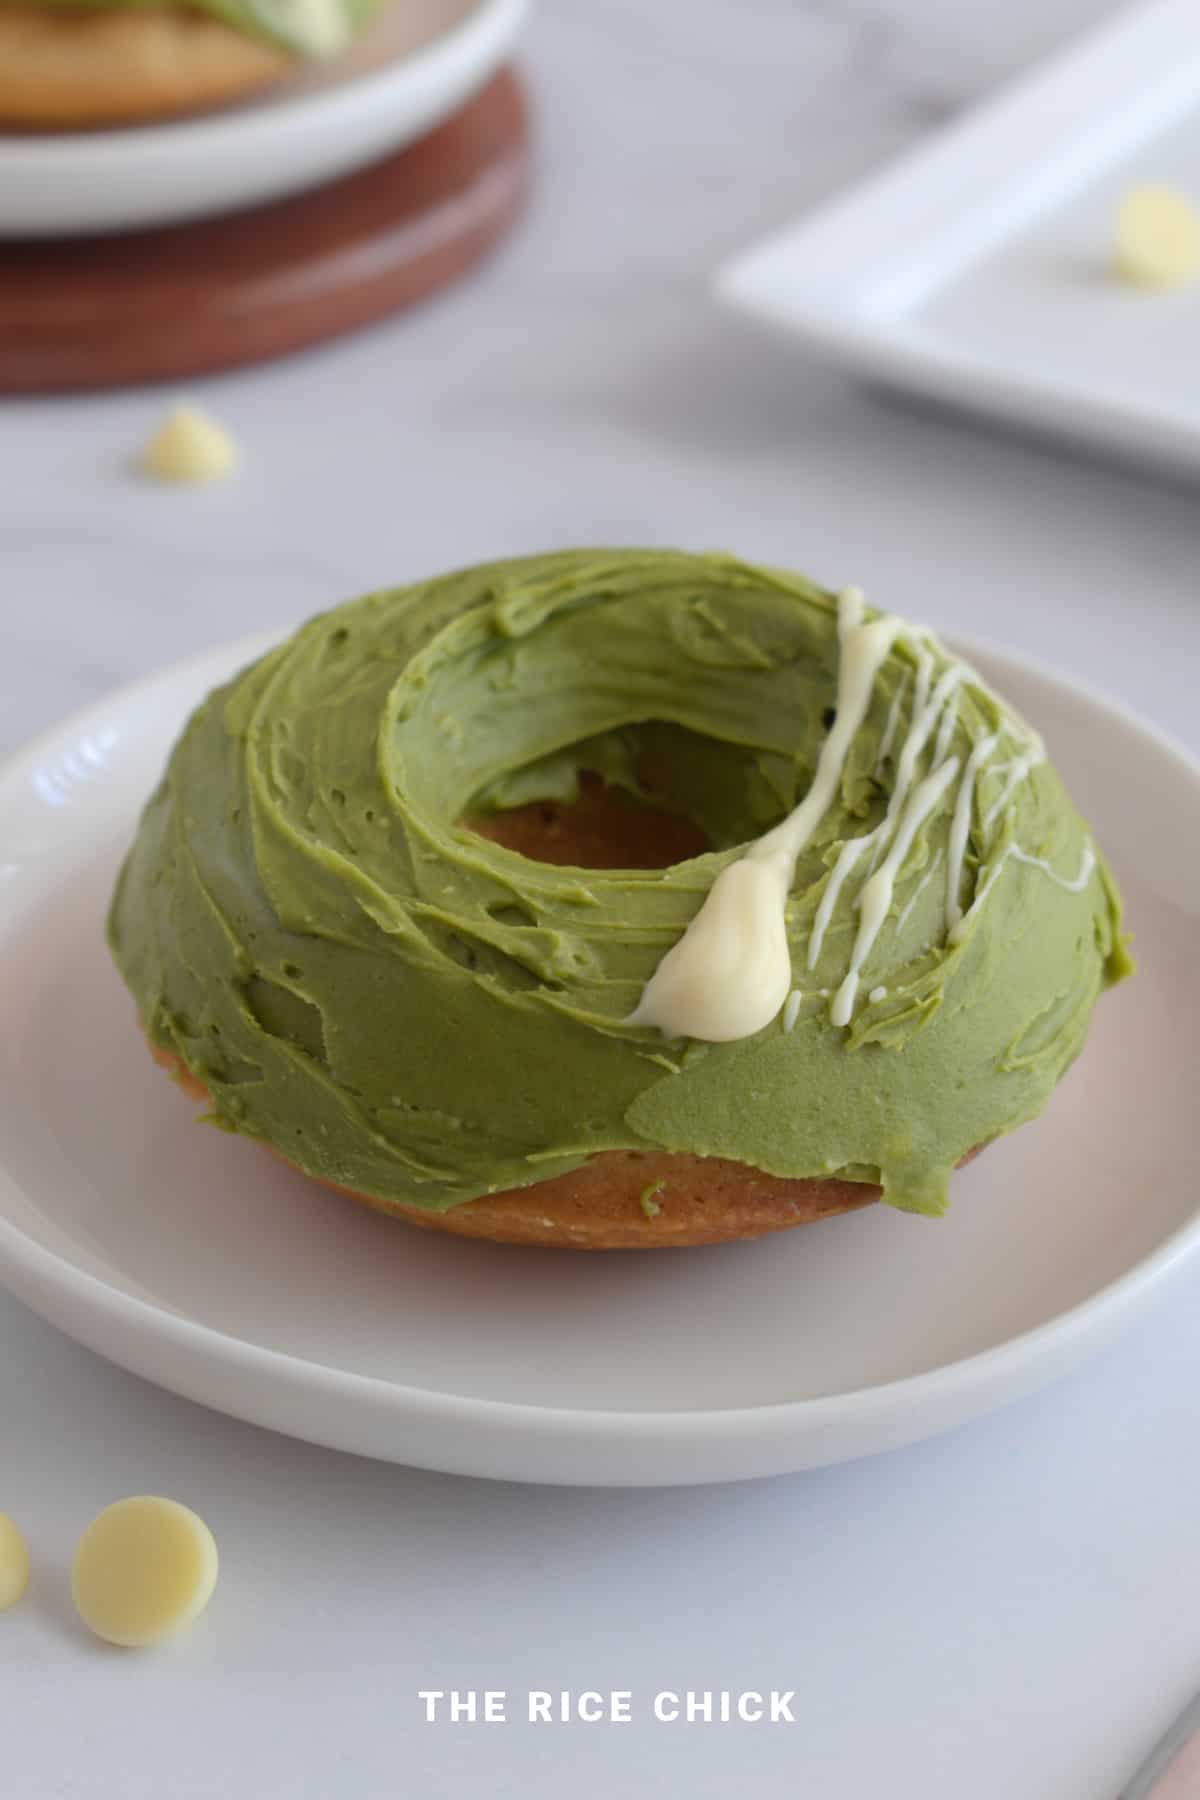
(65, 70)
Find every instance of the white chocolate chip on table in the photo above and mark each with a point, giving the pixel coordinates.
(143, 1569)
(1157, 240)
(190, 447)
(14, 1563)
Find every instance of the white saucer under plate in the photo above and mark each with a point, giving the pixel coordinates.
(409, 71)
(978, 269)
(196, 1260)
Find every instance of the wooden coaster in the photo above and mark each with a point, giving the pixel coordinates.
(188, 299)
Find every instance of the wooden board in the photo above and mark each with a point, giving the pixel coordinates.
(189, 299)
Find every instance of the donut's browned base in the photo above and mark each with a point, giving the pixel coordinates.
(699, 1200)
(67, 70)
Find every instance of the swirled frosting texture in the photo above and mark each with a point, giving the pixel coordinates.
(407, 1009)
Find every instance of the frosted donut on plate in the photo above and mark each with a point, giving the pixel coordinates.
(74, 64)
(616, 898)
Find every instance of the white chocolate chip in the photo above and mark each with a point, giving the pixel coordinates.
(190, 447)
(143, 1569)
(1157, 238)
(14, 1563)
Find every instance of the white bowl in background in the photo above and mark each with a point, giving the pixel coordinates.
(409, 71)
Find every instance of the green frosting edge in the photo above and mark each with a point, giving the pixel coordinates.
(418, 1014)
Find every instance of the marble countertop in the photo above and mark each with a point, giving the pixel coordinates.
(1009, 1611)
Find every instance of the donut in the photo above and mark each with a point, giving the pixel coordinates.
(66, 70)
(107, 62)
(608, 899)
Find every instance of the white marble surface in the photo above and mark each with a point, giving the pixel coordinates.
(1009, 1612)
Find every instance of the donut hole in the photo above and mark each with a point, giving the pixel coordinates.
(603, 828)
(648, 796)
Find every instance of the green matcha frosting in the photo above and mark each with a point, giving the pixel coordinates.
(305, 27)
(415, 1012)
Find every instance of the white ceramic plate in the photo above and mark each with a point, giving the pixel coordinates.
(419, 61)
(196, 1260)
(978, 270)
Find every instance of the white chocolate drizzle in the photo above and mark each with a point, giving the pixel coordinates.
(945, 730)
(875, 899)
(924, 882)
(1073, 884)
(889, 730)
(960, 825)
(730, 973)
(918, 647)
(926, 710)
(918, 736)
(847, 857)
(1018, 769)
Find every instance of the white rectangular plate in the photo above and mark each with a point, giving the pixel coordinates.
(978, 269)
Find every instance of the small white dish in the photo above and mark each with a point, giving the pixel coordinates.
(978, 270)
(409, 71)
(199, 1262)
